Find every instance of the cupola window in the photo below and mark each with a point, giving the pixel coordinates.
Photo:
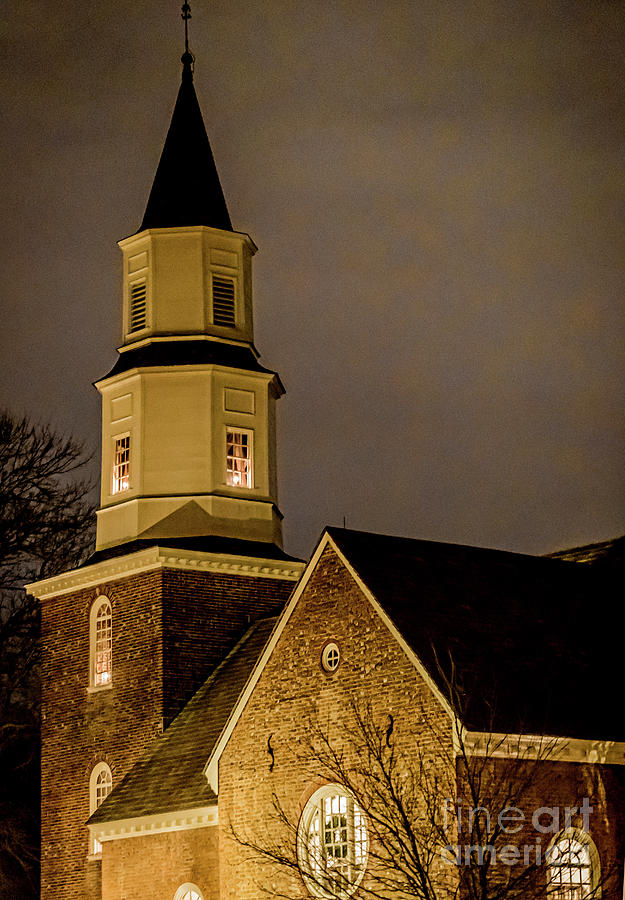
(238, 458)
(138, 306)
(121, 465)
(223, 301)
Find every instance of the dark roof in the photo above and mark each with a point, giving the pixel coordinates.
(533, 639)
(186, 188)
(188, 353)
(207, 544)
(171, 775)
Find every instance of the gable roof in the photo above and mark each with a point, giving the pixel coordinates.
(531, 638)
(170, 775)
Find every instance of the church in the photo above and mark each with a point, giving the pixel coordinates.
(222, 721)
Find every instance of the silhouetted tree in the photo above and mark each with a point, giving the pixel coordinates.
(46, 526)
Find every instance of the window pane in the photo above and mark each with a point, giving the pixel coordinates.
(238, 459)
(121, 465)
(103, 645)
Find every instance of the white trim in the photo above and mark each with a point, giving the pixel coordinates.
(168, 339)
(158, 557)
(95, 849)
(211, 770)
(158, 823)
(98, 603)
(187, 887)
(548, 748)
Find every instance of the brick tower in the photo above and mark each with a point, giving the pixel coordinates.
(189, 541)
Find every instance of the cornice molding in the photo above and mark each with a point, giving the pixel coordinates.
(141, 826)
(545, 748)
(157, 557)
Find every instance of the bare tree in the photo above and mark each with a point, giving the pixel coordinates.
(46, 526)
(447, 815)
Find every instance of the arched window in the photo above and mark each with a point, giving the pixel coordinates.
(574, 868)
(100, 784)
(101, 643)
(188, 891)
(332, 843)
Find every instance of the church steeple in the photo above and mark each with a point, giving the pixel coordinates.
(186, 188)
(188, 412)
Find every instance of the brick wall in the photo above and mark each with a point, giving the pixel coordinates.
(80, 729)
(153, 867)
(170, 628)
(295, 691)
(203, 616)
(375, 673)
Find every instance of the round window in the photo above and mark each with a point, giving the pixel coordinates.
(331, 657)
(332, 843)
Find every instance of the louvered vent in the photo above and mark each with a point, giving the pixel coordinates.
(138, 306)
(223, 302)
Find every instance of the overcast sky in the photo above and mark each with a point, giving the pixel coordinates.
(437, 192)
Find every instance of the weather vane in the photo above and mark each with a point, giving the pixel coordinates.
(186, 15)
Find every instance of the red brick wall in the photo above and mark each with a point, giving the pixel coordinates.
(203, 617)
(170, 628)
(556, 785)
(373, 670)
(153, 867)
(80, 729)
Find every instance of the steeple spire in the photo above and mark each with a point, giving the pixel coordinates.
(186, 188)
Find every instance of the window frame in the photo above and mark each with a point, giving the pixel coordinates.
(558, 890)
(318, 883)
(101, 768)
(249, 433)
(96, 606)
(182, 891)
(115, 476)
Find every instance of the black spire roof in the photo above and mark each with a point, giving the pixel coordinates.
(186, 188)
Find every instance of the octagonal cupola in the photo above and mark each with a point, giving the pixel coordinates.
(188, 411)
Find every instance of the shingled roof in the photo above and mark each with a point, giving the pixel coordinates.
(532, 639)
(171, 774)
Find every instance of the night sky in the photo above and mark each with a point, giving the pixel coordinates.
(437, 192)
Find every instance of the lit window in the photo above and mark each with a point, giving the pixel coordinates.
(574, 871)
(239, 458)
(121, 464)
(101, 643)
(100, 784)
(332, 843)
(188, 892)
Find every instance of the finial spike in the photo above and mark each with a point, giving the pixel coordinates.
(187, 58)
(186, 15)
